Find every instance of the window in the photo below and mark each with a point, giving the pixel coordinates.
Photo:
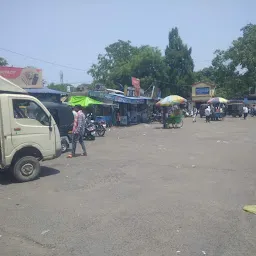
(26, 109)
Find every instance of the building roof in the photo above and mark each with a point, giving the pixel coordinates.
(44, 90)
(212, 85)
(132, 98)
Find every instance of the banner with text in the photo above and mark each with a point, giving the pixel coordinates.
(23, 77)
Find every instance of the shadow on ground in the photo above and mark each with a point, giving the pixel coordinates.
(7, 179)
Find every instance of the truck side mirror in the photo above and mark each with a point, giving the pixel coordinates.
(50, 123)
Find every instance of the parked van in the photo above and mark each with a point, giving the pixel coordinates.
(235, 109)
(28, 133)
(202, 109)
(64, 118)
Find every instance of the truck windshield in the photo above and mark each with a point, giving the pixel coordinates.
(29, 109)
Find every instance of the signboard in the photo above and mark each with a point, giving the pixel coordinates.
(23, 77)
(136, 85)
(203, 91)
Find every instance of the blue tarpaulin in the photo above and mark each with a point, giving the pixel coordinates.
(118, 97)
(44, 90)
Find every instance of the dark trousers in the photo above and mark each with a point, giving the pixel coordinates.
(245, 115)
(77, 138)
(207, 119)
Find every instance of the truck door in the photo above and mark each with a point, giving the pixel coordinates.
(30, 126)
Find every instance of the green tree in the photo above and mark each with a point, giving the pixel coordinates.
(179, 65)
(122, 61)
(3, 62)
(205, 75)
(112, 65)
(235, 69)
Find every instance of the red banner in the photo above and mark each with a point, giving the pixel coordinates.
(136, 85)
(23, 77)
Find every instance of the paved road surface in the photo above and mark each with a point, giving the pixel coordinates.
(141, 191)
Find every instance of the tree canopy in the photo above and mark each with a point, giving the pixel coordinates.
(171, 72)
(232, 70)
(3, 62)
(122, 61)
(179, 65)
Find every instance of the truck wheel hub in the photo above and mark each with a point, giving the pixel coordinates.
(27, 169)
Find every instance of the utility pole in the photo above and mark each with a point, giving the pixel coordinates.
(61, 77)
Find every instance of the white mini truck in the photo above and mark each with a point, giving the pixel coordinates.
(28, 133)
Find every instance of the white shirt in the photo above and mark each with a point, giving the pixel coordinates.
(74, 113)
(207, 111)
(245, 110)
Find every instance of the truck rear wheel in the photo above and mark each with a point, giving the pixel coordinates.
(64, 145)
(26, 168)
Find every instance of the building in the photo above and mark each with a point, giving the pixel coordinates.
(202, 92)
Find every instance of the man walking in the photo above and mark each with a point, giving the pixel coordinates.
(195, 112)
(78, 131)
(245, 110)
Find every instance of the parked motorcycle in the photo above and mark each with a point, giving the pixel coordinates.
(90, 129)
(89, 132)
(252, 112)
(156, 118)
(100, 127)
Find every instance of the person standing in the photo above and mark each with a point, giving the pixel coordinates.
(207, 112)
(195, 112)
(78, 131)
(118, 118)
(245, 111)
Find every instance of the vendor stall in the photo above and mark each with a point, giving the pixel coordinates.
(172, 115)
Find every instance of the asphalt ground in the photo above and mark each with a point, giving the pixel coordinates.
(141, 190)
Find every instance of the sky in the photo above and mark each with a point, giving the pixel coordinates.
(73, 33)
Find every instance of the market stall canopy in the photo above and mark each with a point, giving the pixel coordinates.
(8, 86)
(171, 100)
(83, 101)
(217, 100)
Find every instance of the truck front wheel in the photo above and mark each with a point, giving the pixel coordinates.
(26, 168)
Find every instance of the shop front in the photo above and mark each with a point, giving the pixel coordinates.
(201, 93)
(132, 110)
(128, 108)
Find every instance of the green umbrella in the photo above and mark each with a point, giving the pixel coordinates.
(83, 101)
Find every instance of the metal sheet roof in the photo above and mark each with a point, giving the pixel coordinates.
(44, 90)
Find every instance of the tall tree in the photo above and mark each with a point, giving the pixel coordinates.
(112, 65)
(179, 64)
(3, 62)
(235, 68)
(122, 61)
